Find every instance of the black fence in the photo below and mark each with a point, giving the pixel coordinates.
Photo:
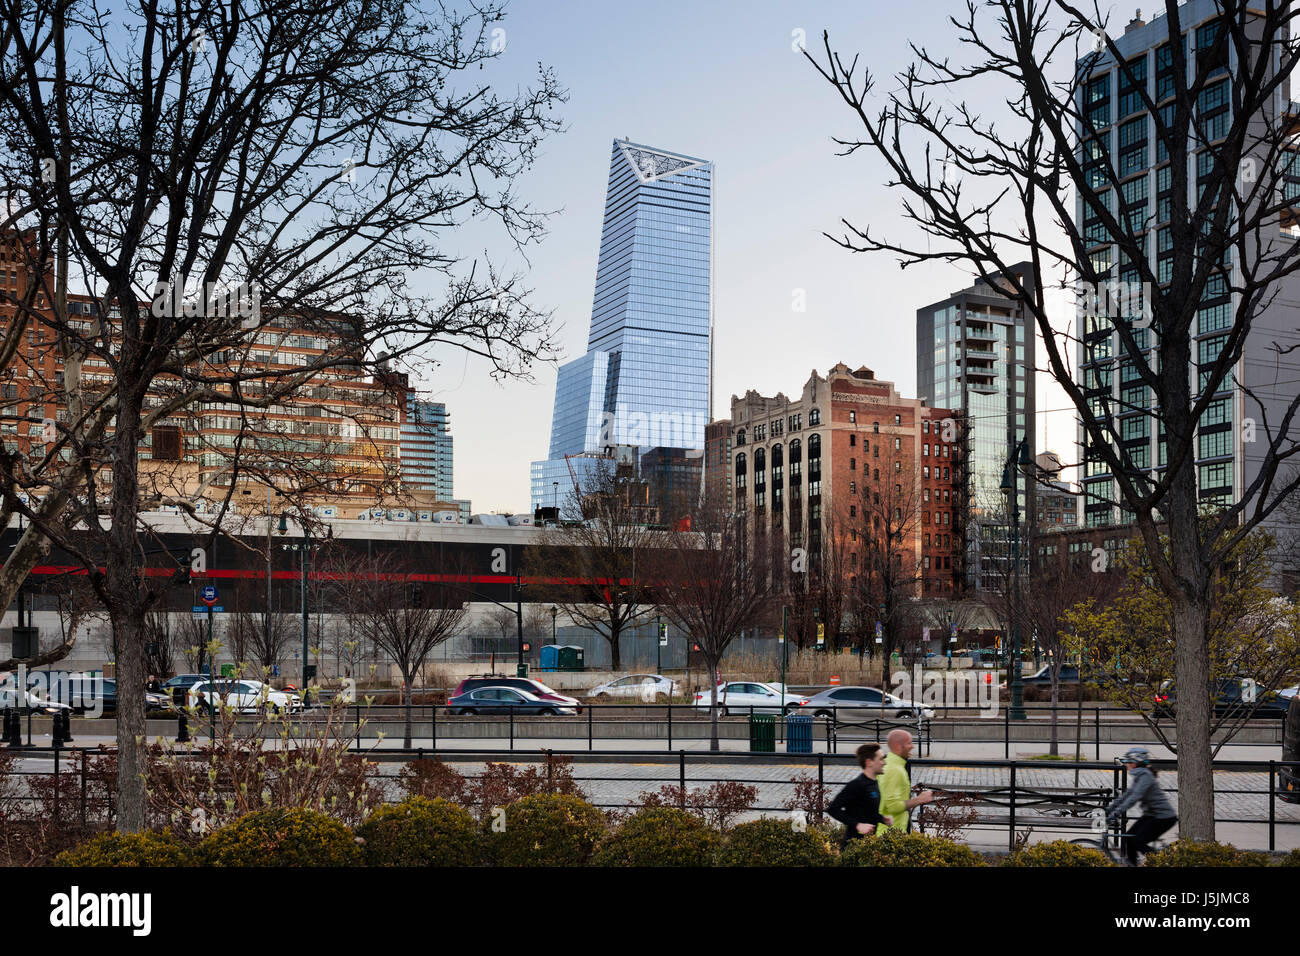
(438, 727)
(73, 786)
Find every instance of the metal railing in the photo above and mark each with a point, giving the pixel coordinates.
(63, 782)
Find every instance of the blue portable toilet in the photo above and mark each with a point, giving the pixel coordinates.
(550, 657)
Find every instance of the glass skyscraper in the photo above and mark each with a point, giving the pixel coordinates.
(427, 447)
(975, 354)
(1126, 149)
(645, 379)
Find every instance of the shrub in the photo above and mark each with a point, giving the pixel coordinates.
(1291, 859)
(908, 849)
(717, 805)
(129, 849)
(281, 837)
(432, 779)
(1187, 853)
(774, 843)
(810, 796)
(500, 784)
(1057, 853)
(420, 832)
(549, 829)
(659, 836)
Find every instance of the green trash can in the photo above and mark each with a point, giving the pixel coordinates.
(762, 733)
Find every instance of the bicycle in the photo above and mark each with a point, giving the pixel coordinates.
(1111, 844)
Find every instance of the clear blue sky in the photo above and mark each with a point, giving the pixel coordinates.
(719, 81)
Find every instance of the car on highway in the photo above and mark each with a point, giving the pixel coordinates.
(1233, 697)
(526, 684)
(646, 687)
(862, 703)
(245, 696)
(505, 700)
(745, 697)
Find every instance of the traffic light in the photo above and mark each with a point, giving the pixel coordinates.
(527, 647)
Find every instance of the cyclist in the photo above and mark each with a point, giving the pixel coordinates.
(1158, 814)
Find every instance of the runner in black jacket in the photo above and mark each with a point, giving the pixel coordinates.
(857, 806)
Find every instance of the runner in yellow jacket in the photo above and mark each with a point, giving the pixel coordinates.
(896, 798)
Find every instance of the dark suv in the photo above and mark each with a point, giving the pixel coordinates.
(518, 683)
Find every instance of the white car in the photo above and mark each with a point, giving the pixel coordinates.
(746, 697)
(40, 705)
(646, 687)
(245, 696)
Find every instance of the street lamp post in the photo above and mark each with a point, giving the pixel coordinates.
(553, 611)
(785, 644)
(1017, 460)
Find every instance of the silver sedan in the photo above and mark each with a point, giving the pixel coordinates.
(862, 703)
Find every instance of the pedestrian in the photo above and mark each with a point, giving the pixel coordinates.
(896, 800)
(857, 805)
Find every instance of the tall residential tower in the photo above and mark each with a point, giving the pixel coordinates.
(975, 355)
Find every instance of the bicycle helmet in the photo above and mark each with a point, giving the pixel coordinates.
(1138, 755)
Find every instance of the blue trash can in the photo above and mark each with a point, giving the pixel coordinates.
(798, 734)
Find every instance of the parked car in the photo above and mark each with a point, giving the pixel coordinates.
(647, 687)
(1288, 778)
(504, 700)
(526, 684)
(862, 703)
(738, 697)
(1229, 700)
(245, 696)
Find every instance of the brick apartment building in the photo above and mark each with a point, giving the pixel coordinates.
(846, 461)
(337, 439)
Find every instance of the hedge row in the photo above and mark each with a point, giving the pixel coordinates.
(563, 830)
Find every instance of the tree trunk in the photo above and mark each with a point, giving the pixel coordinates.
(1192, 722)
(128, 627)
(615, 655)
(406, 735)
(123, 582)
(1055, 674)
(713, 704)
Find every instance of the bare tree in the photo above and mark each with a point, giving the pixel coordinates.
(589, 568)
(407, 615)
(504, 623)
(886, 528)
(261, 640)
(184, 157)
(713, 586)
(159, 641)
(1036, 180)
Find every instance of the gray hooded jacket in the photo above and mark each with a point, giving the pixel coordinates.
(1142, 788)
